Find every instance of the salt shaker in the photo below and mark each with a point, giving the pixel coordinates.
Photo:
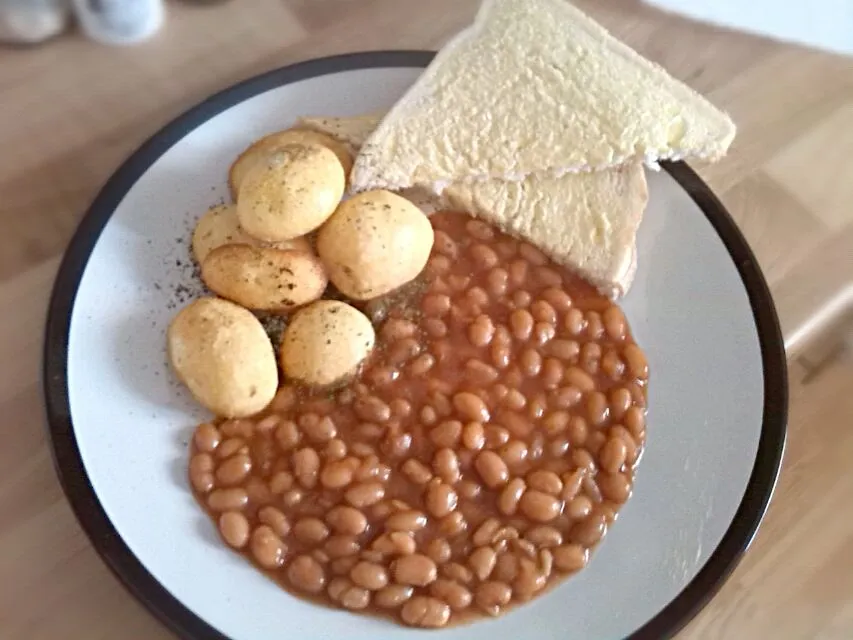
(119, 21)
(32, 21)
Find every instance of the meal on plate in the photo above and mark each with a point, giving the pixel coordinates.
(428, 403)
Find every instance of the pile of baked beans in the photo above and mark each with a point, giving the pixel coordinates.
(482, 453)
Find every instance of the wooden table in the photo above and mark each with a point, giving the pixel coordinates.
(71, 111)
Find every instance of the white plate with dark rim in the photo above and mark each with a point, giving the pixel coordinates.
(119, 423)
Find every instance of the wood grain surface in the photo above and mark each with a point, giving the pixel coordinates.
(71, 111)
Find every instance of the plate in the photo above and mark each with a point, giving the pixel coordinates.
(120, 423)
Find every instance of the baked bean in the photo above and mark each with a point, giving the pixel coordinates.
(435, 304)
(537, 406)
(497, 281)
(435, 327)
(552, 373)
(581, 458)
(234, 528)
(615, 487)
(393, 596)
(484, 256)
(566, 350)
(565, 397)
(635, 421)
(529, 580)
(638, 366)
(473, 436)
(480, 230)
(597, 408)
(428, 415)
(275, 520)
(543, 312)
(485, 533)
(267, 548)
(310, 530)
(445, 463)
(495, 436)
(400, 408)
(580, 379)
(479, 373)
(481, 331)
(557, 298)
(306, 574)
(544, 536)
(306, 467)
(339, 473)
(482, 561)
(438, 549)
(556, 423)
(267, 425)
(416, 471)
(492, 469)
(514, 453)
(237, 428)
(577, 431)
(422, 364)
(511, 494)
(365, 494)
(521, 324)
(614, 323)
(337, 449)
(558, 448)
(440, 499)
(395, 329)
(369, 575)
(415, 569)
(531, 362)
(206, 438)
(445, 245)
(491, 596)
(589, 531)
(514, 400)
(201, 472)
(518, 270)
(594, 325)
(346, 520)
(407, 521)
(471, 407)
(545, 481)
(539, 506)
(453, 524)
(612, 365)
(342, 566)
(441, 403)
(572, 483)
(574, 322)
(543, 332)
(632, 451)
(337, 587)
(396, 445)
(457, 596)
(230, 447)
(232, 499)
(579, 507)
(446, 434)
(570, 557)
(501, 355)
(613, 454)
(422, 611)
(292, 497)
(371, 409)
(620, 402)
(321, 431)
(590, 488)
(402, 351)
(355, 598)
(394, 543)
(546, 276)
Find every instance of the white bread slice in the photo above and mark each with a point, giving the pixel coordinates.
(536, 86)
(585, 221)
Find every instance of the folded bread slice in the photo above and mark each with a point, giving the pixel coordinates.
(585, 221)
(536, 86)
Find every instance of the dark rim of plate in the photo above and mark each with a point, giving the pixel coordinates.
(78, 488)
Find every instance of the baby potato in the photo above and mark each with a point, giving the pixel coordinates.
(290, 193)
(261, 149)
(222, 354)
(264, 278)
(374, 243)
(219, 227)
(325, 343)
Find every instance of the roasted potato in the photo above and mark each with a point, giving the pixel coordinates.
(325, 343)
(374, 243)
(264, 278)
(219, 227)
(222, 354)
(290, 193)
(262, 148)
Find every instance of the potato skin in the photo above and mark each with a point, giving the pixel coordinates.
(263, 147)
(290, 193)
(374, 243)
(222, 354)
(264, 278)
(325, 343)
(219, 227)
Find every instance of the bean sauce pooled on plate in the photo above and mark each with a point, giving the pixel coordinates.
(482, 453)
